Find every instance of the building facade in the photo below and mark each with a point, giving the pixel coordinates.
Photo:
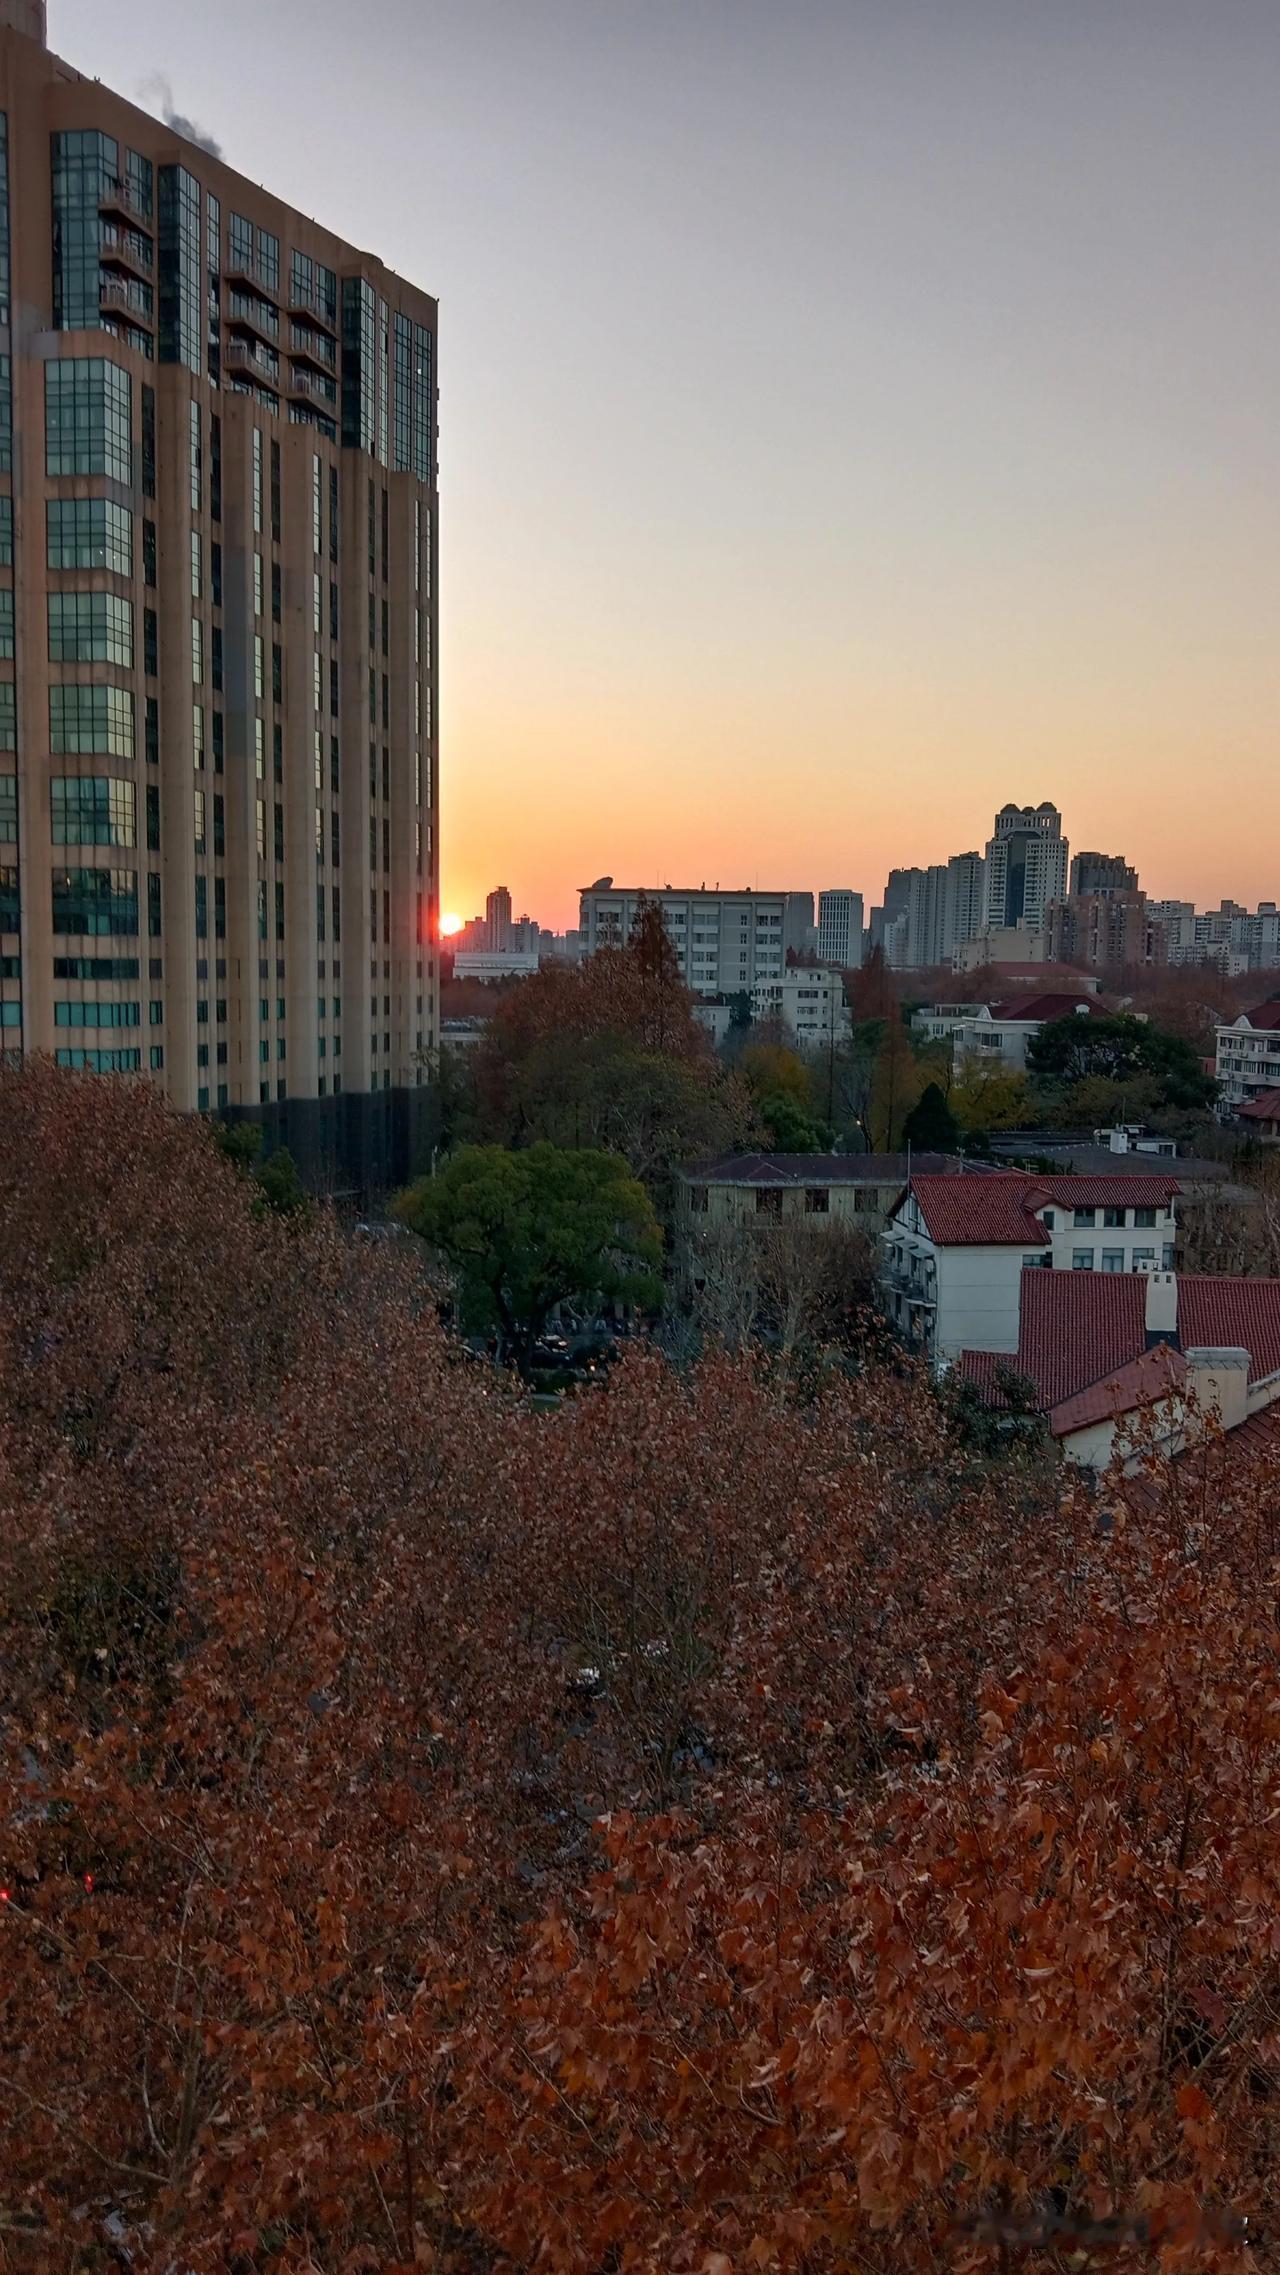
(1026, 865)
(725, 943)
(1247, 1063)
(955, 1248)
(840, 928)
(218, 777)
(1104, 931)
(809, 1003)
(1107, 873)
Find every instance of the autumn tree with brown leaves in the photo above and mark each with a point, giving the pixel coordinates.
(693, 1831)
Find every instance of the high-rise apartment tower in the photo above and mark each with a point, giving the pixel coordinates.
(840, 927)
(1026, 865)
(218, 789)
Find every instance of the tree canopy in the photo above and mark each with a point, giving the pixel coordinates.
(705, 1829)
(1120, 1049)
(608, 1055)
(523, 1232)
(931, 1127)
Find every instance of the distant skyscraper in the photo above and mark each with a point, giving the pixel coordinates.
(965, 904)
(840, 928)
(1026, 865)
(1106, 873)
(497, 917)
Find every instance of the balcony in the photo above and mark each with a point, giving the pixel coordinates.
(314, 349)
(248, 314)
(313, 306)
(238, 268)
(125, 249)
(251, 363)
(308, 389)
(118, 196)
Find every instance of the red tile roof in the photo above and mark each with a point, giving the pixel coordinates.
(1264, 1108)
(1266, 1017)
(1075, 1328)
(1216, 1314)
(1043, 1007)
(992, 1210)
(1000, 1208)
(1151, 1376)
(1077, 1331)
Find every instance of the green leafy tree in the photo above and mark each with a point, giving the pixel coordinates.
(280, 1186)
(931, 1126)
(790, 1127)
(525, 1231)
(1121, 1049)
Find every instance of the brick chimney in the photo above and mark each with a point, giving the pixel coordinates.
(1162, 1308)
(1220, 1381)
(27, 16)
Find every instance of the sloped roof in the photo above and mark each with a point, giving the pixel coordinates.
(990, 1211)
(1000, 1208)
(1151, 1376)
(1042, 1007)
(810, 1169)
(1080, 1331)
(1264, 1108)
(1265, 1018)
(1216, 1314)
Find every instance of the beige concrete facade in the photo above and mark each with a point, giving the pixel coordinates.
(218, 766)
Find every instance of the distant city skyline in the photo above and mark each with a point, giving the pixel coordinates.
(852, 410)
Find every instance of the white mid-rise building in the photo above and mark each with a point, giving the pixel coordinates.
(725, 942)
(809, 1003)
(955, 1248)
(840, 928)
(1248, 1055)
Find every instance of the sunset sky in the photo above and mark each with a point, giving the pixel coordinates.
(854, 413)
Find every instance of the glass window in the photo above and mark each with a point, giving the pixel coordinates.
(8, 809)
(153, 907)
(1145, 1217)
(1113, 1218)
(197, 575)
(259, 666)
(1084, 1216)
(149, 552)
(197, 652)
(90, 533)
(86, 165)
(6, 520)
(88, 809)
(10, 911)
(1144, 1259)
(101, 1062)
(182, 270)
(1113, 1259)
(240, 244)
(197, 737)
(91, 719)
(258, 593)
(4, 219)
(257, 481)
(88, 418)
(6, 621)
(95, 902)
(97, 1014)
(90, 627)
(269, 260)
(1082, 1259)
(200, 821)
(8, 715)
(197, 458)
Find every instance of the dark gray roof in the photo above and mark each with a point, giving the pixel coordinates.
(817, 1168)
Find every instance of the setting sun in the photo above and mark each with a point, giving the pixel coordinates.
(449, 925)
